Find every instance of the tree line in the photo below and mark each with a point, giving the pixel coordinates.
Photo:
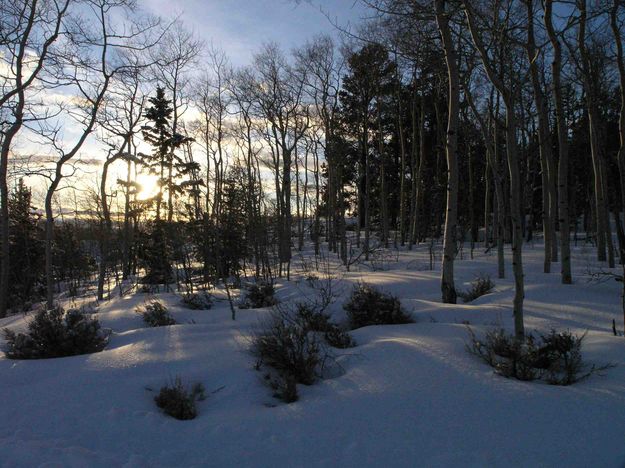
(482, 122)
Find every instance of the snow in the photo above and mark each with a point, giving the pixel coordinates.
(407, 395)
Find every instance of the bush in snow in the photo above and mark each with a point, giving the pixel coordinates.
(555, 357)
(318, 321)
(56, 333)
(288, 347)
(338, 338)
(292, 343)
(155, 314)
(197, 301)
(284, 387)
(562, 351)
(368, 306)
(178, 402)
(312, 319)
(480, 286)
(291, 349)
(148, 288)
(258, 296)
(508, 356)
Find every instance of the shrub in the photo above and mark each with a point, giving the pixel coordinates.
(56, 333)
(284, 387)
(338, 338)
(368, 306)
(480, 286)
(312, 319)
(258, 296)
(312, 278)
(178, 402)
(147, 288)
(555, 357)
(507, 355)
(563, 351)
(155, 314)
(292, 343)
(317, 321)
(289, 348)
(197, 301)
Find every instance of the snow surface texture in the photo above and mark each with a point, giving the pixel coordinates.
(408, 395)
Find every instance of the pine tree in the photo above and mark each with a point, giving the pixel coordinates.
(172, 170)
(26, 276)
(156, 254)
(233, 244)
(369, 81)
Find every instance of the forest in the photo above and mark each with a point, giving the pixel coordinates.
(427, 200)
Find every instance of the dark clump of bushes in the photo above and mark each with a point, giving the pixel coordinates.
(338, 338)
(289, 348)
(368, 306)
(555, 357)
(258, 296)
(480, 286)
(318, 321)
(292, 343)
(197, 300)
(155, 314)
(284, 387)
(178, 402)
(56, 333)
(312, 319)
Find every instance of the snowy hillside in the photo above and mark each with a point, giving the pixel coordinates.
(407, 395)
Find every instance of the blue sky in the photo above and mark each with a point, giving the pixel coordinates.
(239, 27)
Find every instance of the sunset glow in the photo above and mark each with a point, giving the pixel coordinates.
(148, 186)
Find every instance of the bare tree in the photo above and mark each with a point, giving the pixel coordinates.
(213, 100)
(451, 144)
(548, 167)
(508, 94)
(280, 100)
(91, 59)
(120, 117)
(174, 58)
(563, 145)
(589, 64)
(28, 32)
(323, 68)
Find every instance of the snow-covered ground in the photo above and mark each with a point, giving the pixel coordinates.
(408, 395)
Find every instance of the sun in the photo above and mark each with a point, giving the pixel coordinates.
(148, 186)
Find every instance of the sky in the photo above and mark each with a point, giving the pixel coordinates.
(240, 27)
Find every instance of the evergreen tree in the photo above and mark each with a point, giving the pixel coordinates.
(233, 244)
(73, 264)
(155, 253)
(366, 88)
(26, 276)
(172, 170)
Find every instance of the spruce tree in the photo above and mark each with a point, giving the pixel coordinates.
(173, 173)
(26, 275)
(172, 170)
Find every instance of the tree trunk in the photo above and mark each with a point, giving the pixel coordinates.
(383, 188)
(593, 128)
(515, 176)
(621, 151)
(402, 175)
(544, 142)
(563, 149)
(448, 288)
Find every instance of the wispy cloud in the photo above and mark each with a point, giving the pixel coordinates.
(241, 27)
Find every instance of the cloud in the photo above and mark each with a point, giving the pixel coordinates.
(241, 27)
